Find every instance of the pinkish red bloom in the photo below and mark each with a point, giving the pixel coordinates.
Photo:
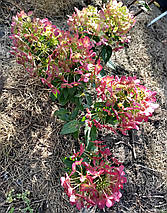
(96, 182)
(123, 102)
(60, 59)
(31, 40)
(72, 63)
(110, 24)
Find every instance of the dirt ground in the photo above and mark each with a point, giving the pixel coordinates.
(31, 148)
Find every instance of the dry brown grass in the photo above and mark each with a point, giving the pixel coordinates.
(31, 158)
(52, 8)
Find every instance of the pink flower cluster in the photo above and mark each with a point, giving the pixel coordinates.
(58, 58)
(110, 24)
(73, 61)
(32, 39)
(124, 99)
(96, 181)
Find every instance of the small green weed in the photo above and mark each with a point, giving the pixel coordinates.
(13, 197)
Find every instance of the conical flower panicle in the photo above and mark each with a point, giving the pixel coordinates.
(108, 26)
(60, 59)
(121, 104)
(94, 180)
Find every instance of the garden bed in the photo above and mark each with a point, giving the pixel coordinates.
(31, 148)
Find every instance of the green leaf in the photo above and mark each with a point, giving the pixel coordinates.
(61, 111)
(98, 105)
(111, 120)
(90, 135)
(104, 1)
(62, 99)
(111, 65)
(27, 209)
(96, 38)
(68, 162)
(93, 133)
(65, 92)
(89, 100)
(63, 114)
(31, 210)
(77, 102)
(53, 96)
(76, 135)
(103, 73)
(83, 119)
(78, 96)
(74, 113)
(11, 210)
(106, 53)
(72, 91)
(70, 127)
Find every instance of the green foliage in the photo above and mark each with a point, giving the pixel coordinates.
(12, 198)
(11, 210)
(106, 53)
(111, 65)
(70, 127)
(63, 114)
(68, 163)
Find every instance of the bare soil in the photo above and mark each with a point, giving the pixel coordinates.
(31, 148)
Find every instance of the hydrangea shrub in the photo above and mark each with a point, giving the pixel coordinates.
(69, 63)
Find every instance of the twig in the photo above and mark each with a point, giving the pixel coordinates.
(132, 137)
(131, 3)
(133, 147)
(146, 168)
(150, 196)
(161, 205)
(121, 142)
